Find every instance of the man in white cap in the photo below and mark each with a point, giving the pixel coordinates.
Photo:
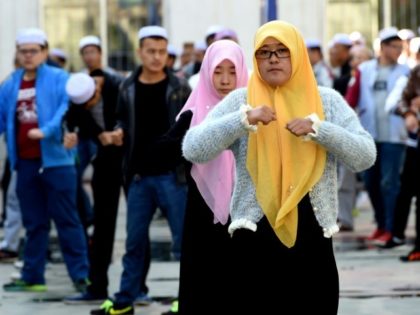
(149, 102)
(99, 115)
(172, 56)
(211, 32)
(341, 49)
(382, 181)
(32, 103)
(91, 52)
(59, 56)
(322, 73)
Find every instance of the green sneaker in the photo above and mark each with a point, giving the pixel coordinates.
(108, 308)
(104, 309)
(173, 310)
(22, 286)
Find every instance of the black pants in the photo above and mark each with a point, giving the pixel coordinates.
(410, 188)
(106, 186)
(5, 180)
(269, 278)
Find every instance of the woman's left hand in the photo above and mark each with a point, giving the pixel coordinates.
(300, 126)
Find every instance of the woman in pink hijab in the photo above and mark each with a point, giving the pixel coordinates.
(206, 240)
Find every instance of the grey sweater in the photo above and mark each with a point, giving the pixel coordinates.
(341, 134)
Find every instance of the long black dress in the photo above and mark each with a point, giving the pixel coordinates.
(205, 251)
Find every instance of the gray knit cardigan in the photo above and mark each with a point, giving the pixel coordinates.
(340, 134)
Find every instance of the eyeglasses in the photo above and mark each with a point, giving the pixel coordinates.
(31, 52)
(266, 54)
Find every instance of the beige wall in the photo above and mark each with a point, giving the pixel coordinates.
(14, 15)
(308, 16)
(188, 20)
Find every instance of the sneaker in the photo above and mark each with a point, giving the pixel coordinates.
(22, 286)
(394, 242)
(383, 239)
(18, 264)
(108, 307)
(8, 256)
(81, 285)
(413, 256)
(377, 233)
(143, 299)
(173, 310)
(84, 298)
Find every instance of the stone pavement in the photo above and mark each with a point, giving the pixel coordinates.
(372, 281)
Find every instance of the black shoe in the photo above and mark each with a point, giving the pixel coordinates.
(85, 298)
(81, 285)
(8, 256)
(394, 242)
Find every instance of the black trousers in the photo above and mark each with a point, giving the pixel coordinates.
(106, 186)
(410, 188)
(269, 278)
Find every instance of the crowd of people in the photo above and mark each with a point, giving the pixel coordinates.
(254, 169)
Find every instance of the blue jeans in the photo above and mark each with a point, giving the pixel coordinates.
(382, 182)
(45, 194)
(144, 196)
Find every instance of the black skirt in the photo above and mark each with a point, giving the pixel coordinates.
(269, 278)
(253, 272)
(205, 258)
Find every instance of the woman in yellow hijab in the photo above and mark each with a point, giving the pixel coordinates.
(286, 134)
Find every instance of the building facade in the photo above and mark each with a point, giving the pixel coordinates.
(117, 22)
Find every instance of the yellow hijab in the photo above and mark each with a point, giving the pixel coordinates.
(284, 167)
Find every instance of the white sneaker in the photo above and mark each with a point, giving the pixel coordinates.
(18, 264)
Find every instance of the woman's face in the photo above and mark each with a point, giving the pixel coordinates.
(224, 78)
(273, 60)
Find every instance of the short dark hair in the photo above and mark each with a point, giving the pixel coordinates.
(151, 37)
(97, 73)
(98, 47)
(391, 39)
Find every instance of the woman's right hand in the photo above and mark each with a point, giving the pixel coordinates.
(411, 123)
(263, 114)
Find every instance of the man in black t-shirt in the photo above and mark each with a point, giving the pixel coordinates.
(149, 102)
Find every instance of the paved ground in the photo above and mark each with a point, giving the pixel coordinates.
(372, 281)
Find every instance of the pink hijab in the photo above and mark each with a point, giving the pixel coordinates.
(215, 178)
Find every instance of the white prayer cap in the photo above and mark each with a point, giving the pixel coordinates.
(200, 45)
(80, 88)
(172, 50)
(357, 37)
(31, 36)
(89, 40)
(342, 39)
(213, 29)
(312, 43)
(406, 34)
(152, 31)
(415, 45)
(388, 33)
(58, 53)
